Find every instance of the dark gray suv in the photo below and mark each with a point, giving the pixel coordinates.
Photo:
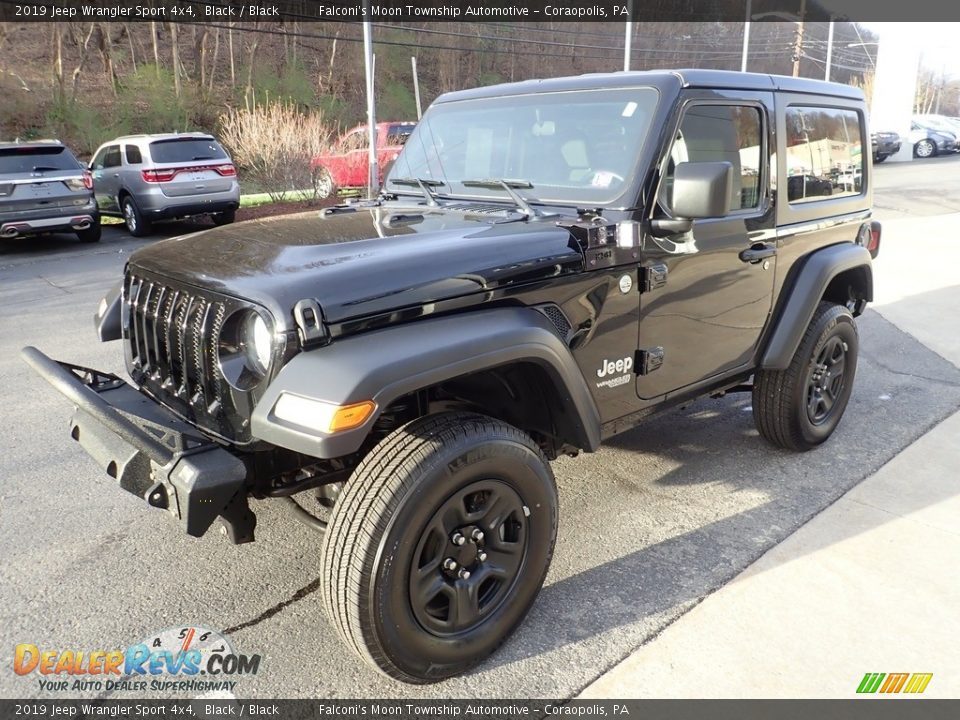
(44, 189)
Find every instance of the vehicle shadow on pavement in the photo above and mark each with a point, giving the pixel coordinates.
(753, 494)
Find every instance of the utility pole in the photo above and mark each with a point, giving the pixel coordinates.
(373, 172)
(826, 74)
(416, 86)
(798, 40)
(628, 37)
(746, 40)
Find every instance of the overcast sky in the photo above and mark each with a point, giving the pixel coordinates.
(938, 41)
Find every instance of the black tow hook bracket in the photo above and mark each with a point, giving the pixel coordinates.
(238, 521)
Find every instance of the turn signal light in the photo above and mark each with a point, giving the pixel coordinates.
(351, 416)
(323, 416)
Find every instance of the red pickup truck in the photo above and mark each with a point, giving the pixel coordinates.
(346, 166)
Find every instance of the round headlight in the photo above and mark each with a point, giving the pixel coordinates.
(257, 342)
(245, 348)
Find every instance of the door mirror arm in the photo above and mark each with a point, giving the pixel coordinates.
(664, 227)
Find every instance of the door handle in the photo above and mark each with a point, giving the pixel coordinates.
(758, 252)
(116, 174)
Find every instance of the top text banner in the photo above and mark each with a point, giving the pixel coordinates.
(253, 11)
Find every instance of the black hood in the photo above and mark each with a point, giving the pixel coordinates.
(354, 265)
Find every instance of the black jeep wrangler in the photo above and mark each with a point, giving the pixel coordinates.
(549, 263)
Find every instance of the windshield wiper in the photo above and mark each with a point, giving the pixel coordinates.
(44, 168)
(424, 184)
(202, 157)
(505, 184)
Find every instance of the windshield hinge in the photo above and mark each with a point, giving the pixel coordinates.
(310, 326)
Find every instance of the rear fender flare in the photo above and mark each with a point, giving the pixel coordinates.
(805, 293)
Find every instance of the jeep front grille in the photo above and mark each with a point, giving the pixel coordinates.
(172, 338)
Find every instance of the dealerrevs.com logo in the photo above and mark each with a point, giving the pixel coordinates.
(183, 659)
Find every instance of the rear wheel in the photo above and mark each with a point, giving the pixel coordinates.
(323, 185)
(800, 407)
(91, 234)
(439, 545)
(224, 218)
(136, 224)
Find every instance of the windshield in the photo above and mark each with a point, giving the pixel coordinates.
(36, 159)
(571, 147)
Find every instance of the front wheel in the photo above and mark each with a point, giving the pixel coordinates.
(800, 407)
(439, 545)
(925, 149)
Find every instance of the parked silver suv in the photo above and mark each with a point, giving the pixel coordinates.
(44, 189)
(145, 178)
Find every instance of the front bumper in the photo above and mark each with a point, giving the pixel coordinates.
(887, 148)
(150, 452)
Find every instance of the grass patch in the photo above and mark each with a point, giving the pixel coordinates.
(257, 199)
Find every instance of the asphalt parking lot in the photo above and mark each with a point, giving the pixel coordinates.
(650, 525)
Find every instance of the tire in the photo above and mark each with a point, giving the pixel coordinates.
(788, 409)
(323, 185)
(384, 580)
(136, 224)
(91, 234)
(224, 218)
(880, 158)
(924, 149)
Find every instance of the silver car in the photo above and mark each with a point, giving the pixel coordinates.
(146, 178)
(44, 189)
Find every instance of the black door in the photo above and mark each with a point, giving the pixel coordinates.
(709, 315)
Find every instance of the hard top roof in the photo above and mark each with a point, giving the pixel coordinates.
(691, 78)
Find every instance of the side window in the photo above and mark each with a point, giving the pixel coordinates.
(398, 134)
(112, 157)
(133, 154)
(731, 133)
(824, 153)
(97, 162)
(354, 141)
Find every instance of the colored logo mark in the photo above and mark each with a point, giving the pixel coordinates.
(894, 683)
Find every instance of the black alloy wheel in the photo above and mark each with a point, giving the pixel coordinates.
(825, 380)
(468, 558)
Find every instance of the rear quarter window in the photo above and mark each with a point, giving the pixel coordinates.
(186, 150)
(824, 153)
(36, 159)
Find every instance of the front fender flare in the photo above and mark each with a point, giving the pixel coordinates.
(803, 296)
(107, 320)
(384, 365)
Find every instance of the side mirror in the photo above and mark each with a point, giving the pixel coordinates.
(700, 190)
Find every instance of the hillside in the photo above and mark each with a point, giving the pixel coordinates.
(84, 82)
